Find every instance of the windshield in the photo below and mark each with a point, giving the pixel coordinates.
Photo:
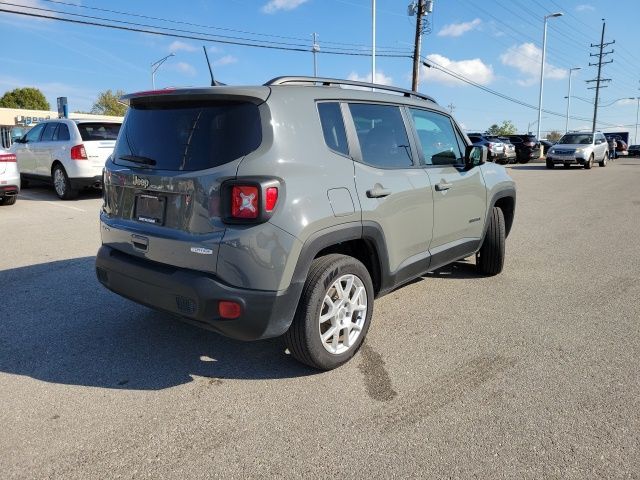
(188, 135)
(576, 139)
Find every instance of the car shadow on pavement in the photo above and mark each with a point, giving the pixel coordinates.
(41, 192)
(59, 325)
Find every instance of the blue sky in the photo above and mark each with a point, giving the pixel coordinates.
(494, 43)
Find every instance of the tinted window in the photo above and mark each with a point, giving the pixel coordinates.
(34, 134)
(515, 139)
(576, 138)
(49, 130)
(475, 139)
(98, 131)
(383, 138)
(333, 127)
(189, 136)
(62, 134)
(437, 138)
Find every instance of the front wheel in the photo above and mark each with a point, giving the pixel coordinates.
(61, 184)
(334, 312)
(550, 164)
(603, 162)
(589, 163)
(490, 258)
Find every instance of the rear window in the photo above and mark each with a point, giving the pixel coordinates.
(188, 136)
(98, 131)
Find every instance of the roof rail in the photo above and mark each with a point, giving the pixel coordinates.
(328, 82)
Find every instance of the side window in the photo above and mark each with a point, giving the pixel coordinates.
(33, 135)
(62, 134)
(49, 130)
(438, 138)
(333, 130)
(382, 135)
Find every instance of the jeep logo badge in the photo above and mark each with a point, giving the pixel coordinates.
(140, 182)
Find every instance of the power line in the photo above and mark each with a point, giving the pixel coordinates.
(180, 22)
(200, 37)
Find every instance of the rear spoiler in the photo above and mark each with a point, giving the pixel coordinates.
(256, 95)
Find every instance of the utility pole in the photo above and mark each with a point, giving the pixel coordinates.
(420, 8)
(315, 48)
(373, 41)
(599, 78)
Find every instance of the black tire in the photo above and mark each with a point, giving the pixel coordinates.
(8, 200)
(63, 187)
(303, 337)
(523, 160)
(589, 163)
(490, 258)
(550, 165)
(603, 163)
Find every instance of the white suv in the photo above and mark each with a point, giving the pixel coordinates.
(579, 148)
(69, 153)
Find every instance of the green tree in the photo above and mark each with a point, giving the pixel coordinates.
(28, 98)
(554, 136)
(506, 128)
(108, 104)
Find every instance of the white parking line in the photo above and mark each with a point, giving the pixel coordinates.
(55, 204)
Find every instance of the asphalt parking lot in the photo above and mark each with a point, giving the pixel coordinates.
(530, 374)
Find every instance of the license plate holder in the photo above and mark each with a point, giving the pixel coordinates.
(150, 209)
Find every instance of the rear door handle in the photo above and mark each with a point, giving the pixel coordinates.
(442, 187)
(378, 192)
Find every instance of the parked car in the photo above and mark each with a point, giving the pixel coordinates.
(634, 150)
(217, 211)
(68, 153)
(495, 148)
(9, 178)
(579, 148)
(621, 145)
(546, 146)
(509, 150)
(527, 147)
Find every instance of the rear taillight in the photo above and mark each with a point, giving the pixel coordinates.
(271, 198)
(245, 201)
(490, 146)
(78, 153)
(7, 158)
(529, 144)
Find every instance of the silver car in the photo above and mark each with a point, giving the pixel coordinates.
(9, 178)
(579, 148)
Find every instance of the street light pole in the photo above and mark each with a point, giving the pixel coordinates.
(635, 136)
(155, 66)
(373, 41)
(544, 47)
(566, 124)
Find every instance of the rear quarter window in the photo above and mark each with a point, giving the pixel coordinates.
(333, 130)
(98, 131)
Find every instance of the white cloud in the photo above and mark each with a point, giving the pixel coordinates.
(226, 60)
(381, 78)
(473, 69)
(182, 67)
(526, 58)
(274, 5)
(626, 101)
(585, 8)
(178, 45)
(458, 29)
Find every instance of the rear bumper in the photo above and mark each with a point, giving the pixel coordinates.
(80, 183)
(195, 296)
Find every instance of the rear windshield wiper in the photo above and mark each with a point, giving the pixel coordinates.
(138, 159)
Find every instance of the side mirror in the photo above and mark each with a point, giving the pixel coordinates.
(474, 156)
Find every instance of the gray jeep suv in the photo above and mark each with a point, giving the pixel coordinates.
(285, 209)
